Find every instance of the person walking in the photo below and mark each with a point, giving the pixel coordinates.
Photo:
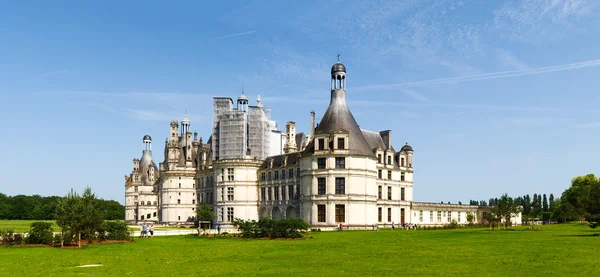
(393, 226)
(144, 229)
(151, 230)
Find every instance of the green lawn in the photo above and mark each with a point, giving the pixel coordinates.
(556, 250)
(21, 226)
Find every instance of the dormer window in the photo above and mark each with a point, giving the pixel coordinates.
(402, 162)
(379, 158)
(321, 144)
(389, 160)
(341, 143)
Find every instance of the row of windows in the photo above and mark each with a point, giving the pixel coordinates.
(389, 214)
(340, 185)
(148, 203)
(439, 216)
(275, 174)
(389, 160)
(147, 216)
(230, 194)
(340, 213)
(341, 144)
(389, 175)
(389, 193)
(266, 194)
(340, 162)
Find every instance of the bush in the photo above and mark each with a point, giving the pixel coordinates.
(269, 228)
(8, 237)
(57, 239)
(18, 239)
(40, 233)
(116, 230)
(67, 238)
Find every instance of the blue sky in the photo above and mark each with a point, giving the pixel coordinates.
(494, 96)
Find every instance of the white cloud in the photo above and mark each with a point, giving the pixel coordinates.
(236, 35)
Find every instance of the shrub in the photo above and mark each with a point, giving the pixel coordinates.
(18, 239)
(269, 228)
(116, 230)
(40, 233)
(8, 237)
(67, 238)
(57, 239)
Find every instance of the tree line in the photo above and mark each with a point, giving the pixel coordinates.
(36, 207)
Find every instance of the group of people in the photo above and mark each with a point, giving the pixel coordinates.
(146, 230)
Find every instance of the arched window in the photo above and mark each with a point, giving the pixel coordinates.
(148, 203)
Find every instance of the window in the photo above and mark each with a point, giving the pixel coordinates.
(298, 172)
(282, 192)
(269, 195)
(291, 173)
(402, 194)
(262, 194)
(321, 183)
(340, 213)
(379, 158)
(283, 174)
(321, 163)
(402, 162)
(263, 176)
(276, 193)
(389, 214)
(179, 185)
(458, 217)
(178, 201)
(269, 176)
(229, 194)
(321, 213)
(142, 217)
(193, 201)
(229, 213)
(449, 215)
(136, 188)
(389, 195)
(379, 173)
(389, 160)
(297, 192)
(154, 214)
(341, 144)
(230, 174)
(321, 144)
(154, 203)
(340, 185)
(420, 216)
(222, 214)
(180, 194)
(276, 177)
(402, 176)
(389, 175)
(340, 162)
(291, 192)
(380, 193)
(379, 214)
(430, 216)
(439, 216)
(179, 218)
(222, 194)
(142, 203)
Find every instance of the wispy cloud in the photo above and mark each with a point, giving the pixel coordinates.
(48, 74)
(485, 76)
(509, 60)
(236, 35)
(536, 21)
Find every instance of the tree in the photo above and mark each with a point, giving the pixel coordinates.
(551, 203)
(545, 204)
(205, 213)
(77, 214)
(491, 217)
(526, 204)
(506, 208)
(470, 218)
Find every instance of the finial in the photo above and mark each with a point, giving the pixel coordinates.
(338, 57)
(242, 89)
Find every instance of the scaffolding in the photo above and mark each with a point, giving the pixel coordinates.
(239, 134)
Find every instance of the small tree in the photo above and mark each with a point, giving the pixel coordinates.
(506, 208)
(470, 218)
(77, 214)
(204, 213)
(39, 233)
(492, 218)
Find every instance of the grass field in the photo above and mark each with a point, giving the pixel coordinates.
(556, 250)
(21, 226)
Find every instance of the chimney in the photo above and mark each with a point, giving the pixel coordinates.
(312, 123)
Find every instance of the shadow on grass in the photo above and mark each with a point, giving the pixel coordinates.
(581, 235)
